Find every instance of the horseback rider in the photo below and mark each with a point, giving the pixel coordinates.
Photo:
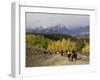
(74, 55)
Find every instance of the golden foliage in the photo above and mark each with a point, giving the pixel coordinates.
(62, 45)
(86, 48)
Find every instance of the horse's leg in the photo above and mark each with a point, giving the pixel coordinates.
(75, 57)
(71, 57)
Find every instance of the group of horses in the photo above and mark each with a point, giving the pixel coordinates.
(71, 55)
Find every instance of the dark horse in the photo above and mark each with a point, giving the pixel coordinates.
(72, 56)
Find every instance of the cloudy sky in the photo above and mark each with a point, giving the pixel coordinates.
(34, 20)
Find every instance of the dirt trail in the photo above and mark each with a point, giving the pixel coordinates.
(40, 59)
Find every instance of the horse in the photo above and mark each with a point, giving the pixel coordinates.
(69, 55)
(72, 56)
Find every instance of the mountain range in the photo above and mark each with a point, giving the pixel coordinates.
(60, 29)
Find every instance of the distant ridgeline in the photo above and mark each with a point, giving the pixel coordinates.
(59, 29)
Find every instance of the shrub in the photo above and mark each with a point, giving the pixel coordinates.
(62, 45)
(86, 48)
